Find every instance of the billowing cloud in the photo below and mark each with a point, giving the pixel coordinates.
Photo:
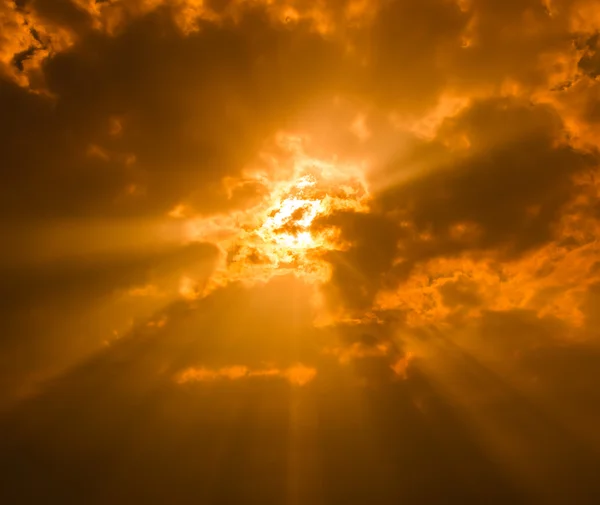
(292, 251)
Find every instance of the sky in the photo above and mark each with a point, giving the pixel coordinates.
(299, 252)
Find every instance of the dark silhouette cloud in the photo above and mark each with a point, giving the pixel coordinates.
(299, 252)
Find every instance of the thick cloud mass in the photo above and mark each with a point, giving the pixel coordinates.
(299, 251)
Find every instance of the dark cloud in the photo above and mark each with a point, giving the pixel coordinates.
(496, 177)
(407, 44)
(92, 277)
(590, 61)
(510, 182)
(64, 13)
(451, 357)
(55, 313)
(510, 40)
(47, 169)
(358, 273)
(193, 109)
(461, 292)
(511, 332)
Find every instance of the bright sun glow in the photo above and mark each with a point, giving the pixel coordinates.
(288, 224)
(279, 235)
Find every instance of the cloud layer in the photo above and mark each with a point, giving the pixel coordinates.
(308, 252)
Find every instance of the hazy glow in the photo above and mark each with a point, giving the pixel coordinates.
(276, 237)
(288, 224)
(298, 375)
(300, 252)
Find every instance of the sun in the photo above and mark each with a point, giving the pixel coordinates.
(280, 235)
(288, 223)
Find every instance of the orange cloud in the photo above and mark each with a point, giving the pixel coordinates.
(357, 350)
(148, 290)
(277, 236)
(401, 193)
(298, 375)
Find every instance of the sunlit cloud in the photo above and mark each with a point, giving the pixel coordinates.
(147, 290)
(278, 243)
(345, 354)
(297, 375)
(276, 237)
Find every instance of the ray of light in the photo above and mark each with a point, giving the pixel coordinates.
(526, 441)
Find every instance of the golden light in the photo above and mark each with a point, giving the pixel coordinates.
(277, 236)
(297, 375)
(288, 224)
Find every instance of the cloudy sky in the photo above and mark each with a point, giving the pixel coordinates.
(298, 252)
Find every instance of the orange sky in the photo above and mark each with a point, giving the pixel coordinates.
(299, 251)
